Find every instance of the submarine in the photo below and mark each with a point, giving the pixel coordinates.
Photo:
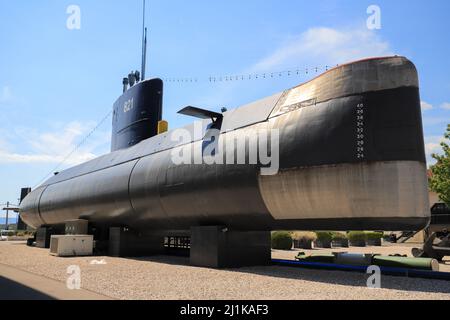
(350, 149)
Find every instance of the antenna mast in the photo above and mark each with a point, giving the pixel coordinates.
(144, 44)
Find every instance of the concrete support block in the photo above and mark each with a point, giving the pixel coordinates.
(125, 243)
(217, 247)
(43, 236)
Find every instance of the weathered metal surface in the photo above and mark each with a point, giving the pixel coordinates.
(351, 157)
(363, 190)
(100, 196)
(249, 114)
(136, 114)
(29, 208)
(369, 75)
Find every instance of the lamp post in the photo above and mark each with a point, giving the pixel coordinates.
(15, 208)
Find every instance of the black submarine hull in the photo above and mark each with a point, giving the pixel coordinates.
(351, 157)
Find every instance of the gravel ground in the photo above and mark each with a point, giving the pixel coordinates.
(172, 278)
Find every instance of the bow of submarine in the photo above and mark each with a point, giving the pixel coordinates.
(353, 158)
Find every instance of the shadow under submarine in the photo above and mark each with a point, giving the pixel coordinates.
(351, 157)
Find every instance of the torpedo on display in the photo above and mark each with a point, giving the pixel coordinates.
(350, 157)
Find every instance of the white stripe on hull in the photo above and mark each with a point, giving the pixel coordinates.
(362, 190)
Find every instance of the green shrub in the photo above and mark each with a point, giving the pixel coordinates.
(304, 236)
(281, 240)
(324, 236)
(357, 236)
(374, 235)
(339, 236)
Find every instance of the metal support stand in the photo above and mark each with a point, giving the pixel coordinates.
(218, 247)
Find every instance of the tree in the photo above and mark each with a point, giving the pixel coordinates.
(440, 178)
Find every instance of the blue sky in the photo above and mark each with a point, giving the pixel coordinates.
(56, 83)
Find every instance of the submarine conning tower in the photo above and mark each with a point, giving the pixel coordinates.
(137, 112)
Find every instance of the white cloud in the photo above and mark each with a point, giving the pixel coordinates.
(325, 45)
(316, 47)
(53, 147)
(425, 106)
(433, 145)
(445, 105)
(12, 216)
(6, 95)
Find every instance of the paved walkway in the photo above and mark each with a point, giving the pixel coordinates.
(17, 284)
